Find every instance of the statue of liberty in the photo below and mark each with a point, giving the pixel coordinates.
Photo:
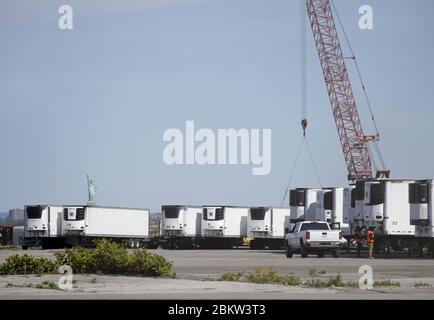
(91, 187)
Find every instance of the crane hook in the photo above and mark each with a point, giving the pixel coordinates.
(304, 125)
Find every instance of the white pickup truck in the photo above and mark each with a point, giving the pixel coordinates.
(313, 237)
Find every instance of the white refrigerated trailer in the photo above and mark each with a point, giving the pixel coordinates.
(420, 196)
(302, 204)
(349, 210)
(359, 203)
(43, 226)
(180, 226)
(387, 209)
(84, 225)
(330, 208)
(266, 226)
(223, 226)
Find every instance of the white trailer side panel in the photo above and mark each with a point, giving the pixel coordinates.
(348, 210)
(280, 218)
(397, 209)
(235, 222)
(310, 204)
(116, 222)
(192, 221)
(55, 221)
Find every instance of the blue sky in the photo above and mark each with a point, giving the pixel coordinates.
(98, 99)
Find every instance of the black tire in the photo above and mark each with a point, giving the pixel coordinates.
(337, 253)
(137, 244)
(321, 254)
(252, 244)
(153, 245)
(130, 244)
(25, 247)
(303, 251)
(288, 252)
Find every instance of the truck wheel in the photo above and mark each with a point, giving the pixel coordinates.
(252, 244)
(303, 251)
(288, 252)
(321, 254)
(131, 244)
(337, 253)
(24, 247)
(137, 244)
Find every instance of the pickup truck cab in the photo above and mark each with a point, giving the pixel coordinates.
(313, 237)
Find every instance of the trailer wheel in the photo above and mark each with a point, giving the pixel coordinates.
(337, 253)
(252, 244)
(24, 247)
(131, 243)
(137, 244)
(172, 244)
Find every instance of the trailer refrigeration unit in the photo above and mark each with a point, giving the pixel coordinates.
(302, 204)
(223, 226)
(330, 208)
(420, 196)
(387, 209)
(266, 226)
(180, 226)
(85, 224)
(43, 226)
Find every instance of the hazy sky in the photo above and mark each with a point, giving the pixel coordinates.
(98, 99)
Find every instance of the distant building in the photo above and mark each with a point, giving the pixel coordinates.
(16, 214)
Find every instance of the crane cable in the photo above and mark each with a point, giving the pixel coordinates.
(303, 90)
(300, 147)
(292, 171)
(380, 156)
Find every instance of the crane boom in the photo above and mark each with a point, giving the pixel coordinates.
(354, 142)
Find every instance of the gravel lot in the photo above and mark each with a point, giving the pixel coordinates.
(197, 271)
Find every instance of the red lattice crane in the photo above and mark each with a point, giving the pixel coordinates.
(354, 142)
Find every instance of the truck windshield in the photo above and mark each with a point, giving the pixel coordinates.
(257, 213)
(314, 226)
(171, 212)
(34, 212)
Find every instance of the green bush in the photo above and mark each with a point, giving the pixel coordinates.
(107, 258)
(81, 260)
(386, 283)
(263, 275)
(268, 275)
(230, 276)
(26, 264)
(422, 285)
(143, 263)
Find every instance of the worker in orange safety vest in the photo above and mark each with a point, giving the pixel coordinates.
(371, 240)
